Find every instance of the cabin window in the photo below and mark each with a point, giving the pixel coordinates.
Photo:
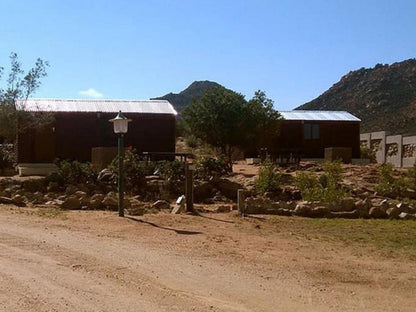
(311, 131)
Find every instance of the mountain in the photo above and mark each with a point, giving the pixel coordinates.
(383, 97)
(181, 100)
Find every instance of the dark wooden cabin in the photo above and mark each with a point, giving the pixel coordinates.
(80, 125)
(308, 133)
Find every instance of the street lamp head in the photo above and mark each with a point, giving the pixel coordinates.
(120, 123)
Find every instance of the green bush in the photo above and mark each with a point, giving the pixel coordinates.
(269, 179)
(206, 167)
(7, 158)
(191, 141)
(325, 188)
(368, 153)
(135, 171)
(390, 186)
(73, 172)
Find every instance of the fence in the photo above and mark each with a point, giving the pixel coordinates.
(396, 149)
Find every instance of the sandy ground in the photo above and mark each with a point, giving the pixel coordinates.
(96, 261)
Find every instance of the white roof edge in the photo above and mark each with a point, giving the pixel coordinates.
(319, 115)
(97, 105)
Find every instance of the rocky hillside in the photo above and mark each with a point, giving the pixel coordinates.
(383, 97)
(181, 100)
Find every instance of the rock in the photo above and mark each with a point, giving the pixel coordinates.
(95, 204)
(362, 206)
(284, 212)
(303, 210)
(407, 216)
(80, 194)
(70, 189)
(35, 185)
(203, 191)
(19, 200)
(228, 188)
(161, 204)
(110, 201)
(136, 208)
(6, 200)
(346, 204)
(106, 175)
(99, 197)
(257, 205)
(223, 209)
(320, 212)
(53, 187)
(345, 214)
(71, 203)
(393, 212)
(377, 213)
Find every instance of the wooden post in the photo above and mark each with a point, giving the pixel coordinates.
(189, 187)
(240, 201)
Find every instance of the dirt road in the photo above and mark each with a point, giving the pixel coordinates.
(95, 261)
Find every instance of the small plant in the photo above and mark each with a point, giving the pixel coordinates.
(206, 167)
(388, 185)
(269, 179)
(325, 188)
(6, 156)
(368, 153)
(135, 171)
(191, 141)
(72, 172)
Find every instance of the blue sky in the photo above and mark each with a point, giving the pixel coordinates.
(293, 50)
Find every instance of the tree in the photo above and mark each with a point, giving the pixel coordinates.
(217, 118)
(19, 85)
(262, 121)
(225, 120)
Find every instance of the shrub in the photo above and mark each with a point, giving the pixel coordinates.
(7, 158)
(325, 188)
(269, 179)
(72, 172)
(368, 153)
(206, 167)
(191, 141)
(390, 186)
(134, 170)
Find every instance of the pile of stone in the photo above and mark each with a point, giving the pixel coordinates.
(349, 208)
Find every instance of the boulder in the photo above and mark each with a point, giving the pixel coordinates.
(363, 206)
(377, 213)
(228, 188)
(393, 212)
(19, 200)
(203, 191)
(106, 175)
(161, 204)
(406, 216)
(284, 212)
(53, 187)
(345, 214)
(80, 194)
(70, 189)
(110, 201)
(71, 203)
(303, 210)
(35, 185)
(320, 212)
(223, 209)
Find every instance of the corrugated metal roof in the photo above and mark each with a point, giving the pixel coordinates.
(319, 115)
(103, 106)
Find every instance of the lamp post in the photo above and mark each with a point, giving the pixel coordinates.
(120, 123)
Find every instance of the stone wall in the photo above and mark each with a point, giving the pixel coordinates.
(395, 149)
